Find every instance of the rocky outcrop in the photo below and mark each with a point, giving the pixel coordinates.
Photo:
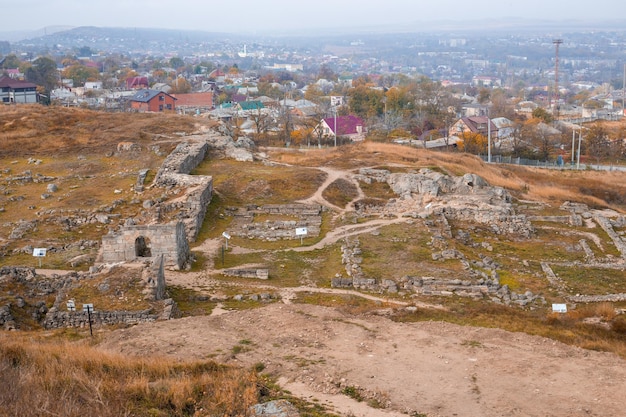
(465, 198)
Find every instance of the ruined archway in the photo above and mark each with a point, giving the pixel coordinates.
(143, 249)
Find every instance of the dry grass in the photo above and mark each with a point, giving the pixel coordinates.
(567, 328)
(39, 131)
(598, 189)
(340, 192)
(73, 379)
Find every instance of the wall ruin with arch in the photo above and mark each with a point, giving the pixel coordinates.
(147, 242)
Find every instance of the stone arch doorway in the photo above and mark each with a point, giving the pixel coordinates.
(143, 248)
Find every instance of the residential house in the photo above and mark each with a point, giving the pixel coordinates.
(506, 128)
(475, 124)
(194, 101)
(17, 91)
(351, 127)
(137, 83)
(473, 109)
(152, 101)
(248, 106)
(485, 81)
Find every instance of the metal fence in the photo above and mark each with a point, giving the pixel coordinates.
(500, 159)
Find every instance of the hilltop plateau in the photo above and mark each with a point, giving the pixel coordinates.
(417, 283)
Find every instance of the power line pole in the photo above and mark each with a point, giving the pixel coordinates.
(557, 43)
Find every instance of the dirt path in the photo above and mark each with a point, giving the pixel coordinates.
(433, 368)
(332, 176)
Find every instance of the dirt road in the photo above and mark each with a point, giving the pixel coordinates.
(433, 368)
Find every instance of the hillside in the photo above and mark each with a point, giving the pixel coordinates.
(409, 254)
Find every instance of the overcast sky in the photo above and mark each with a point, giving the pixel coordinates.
(279, 15)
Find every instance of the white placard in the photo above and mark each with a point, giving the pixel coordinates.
(301, 231)
(88, 307)
(39, 252)
(71, 306)
(559, 308)
(226, 235)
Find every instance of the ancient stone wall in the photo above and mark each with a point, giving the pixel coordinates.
(606, 225)
(147, 242)
(183, 159)
(307, 215)
(57, 319)
(254, 273)
(174, 172)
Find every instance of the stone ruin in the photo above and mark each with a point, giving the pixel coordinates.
(35, 289)
(480, 285)
(147, 242)
(134, 242)
(464, 198)
(304, 215)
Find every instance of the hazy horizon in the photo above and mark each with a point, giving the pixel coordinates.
(282, 16)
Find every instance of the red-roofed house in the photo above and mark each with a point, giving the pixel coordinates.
(137, 83)
(474, 124)
(195, 100)
(17, 91)
(351, 127)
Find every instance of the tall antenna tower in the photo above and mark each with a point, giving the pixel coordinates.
(557, 43)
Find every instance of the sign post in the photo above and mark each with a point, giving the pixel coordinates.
(39, 253)
(559, 308)
(71, 306)
(89, 309)
(227, 237)
(301, 231)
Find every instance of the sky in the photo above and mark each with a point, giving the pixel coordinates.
(238, 16)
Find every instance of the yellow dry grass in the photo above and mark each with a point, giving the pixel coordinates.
(48, 377)
(597, 189)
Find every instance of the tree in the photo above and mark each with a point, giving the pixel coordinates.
(541, 113)
(44, 73)
(261, 119)
(176, 63)
(180, 86)
(80, 74)
(598, 143)
(327, 73)
(11, 61)
(473, 143)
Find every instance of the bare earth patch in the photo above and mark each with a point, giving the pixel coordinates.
(433, 368)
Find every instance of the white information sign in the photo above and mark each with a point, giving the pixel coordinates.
(559, 308)
(39, 252)
(301, 231)
(226, 235)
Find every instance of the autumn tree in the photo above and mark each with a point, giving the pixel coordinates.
(598, 143)
(43, 72)
(327, 73)
(473, 143)
(540, 136)
(180, 86)
(81, 74)
(541, 113)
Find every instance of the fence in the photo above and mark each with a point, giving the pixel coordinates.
(500, 159)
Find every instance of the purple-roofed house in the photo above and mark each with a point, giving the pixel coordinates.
(351, 127)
